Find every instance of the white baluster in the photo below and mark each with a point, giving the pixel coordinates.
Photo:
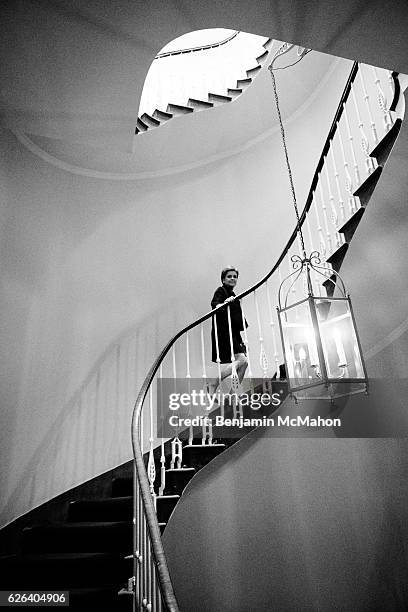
(263, 360)
(138, 552)
(176, 453)
(382, 101)
(369, 161)
(154, 587)
(148, 606)
(349, 182)
(234, 374)
(207, 434)
(218, 360)
(309, 231)
(144, 560)
(151, 468)
(272, 326)
(337, 181)
(246, 342)
(350, 137)
(322, 244)
(162, 455)
(141, 441)
(367, 101)
(176, 445)
(326, 223)
(312, 248)
(391, 84)
(290, 268)
(204, 371)
(334, 217)
(204, 374)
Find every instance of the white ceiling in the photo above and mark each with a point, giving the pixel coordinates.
(74, 70)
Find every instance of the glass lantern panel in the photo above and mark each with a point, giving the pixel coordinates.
(300, 345)
(339, 339)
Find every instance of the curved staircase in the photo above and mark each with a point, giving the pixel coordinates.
(85, 544)
(158, 117)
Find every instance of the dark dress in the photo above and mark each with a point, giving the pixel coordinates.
(224, 345)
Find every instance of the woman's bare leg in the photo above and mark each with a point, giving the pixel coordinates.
(241, 364)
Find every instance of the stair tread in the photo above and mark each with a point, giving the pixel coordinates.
(146, 117)
(234, 93)
(56, 556)
(217, 445)
(182, 469)
(219, 97)
(142, 125)
(203, 102)
(262, 56)
(163, 115)
(172, 496)
(79, 524)
(245, 81)
(253, 70)
(113, 500)
(182, 107)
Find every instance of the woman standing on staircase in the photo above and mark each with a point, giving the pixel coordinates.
(225, 293)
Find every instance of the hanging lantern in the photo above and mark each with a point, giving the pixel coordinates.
(321, 347)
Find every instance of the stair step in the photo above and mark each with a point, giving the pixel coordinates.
(218, 98)
(161, 115)
(366, 189)
(261, 58)
(198, 455)
(268, 44)
(350, 226)
(384, 147)
(234, 92)
(244, 82)
(336, 258)
(108, 509)
(78, 537)
(253, 71)
(141, 126)
(177, 479)
(149, 120)
(63, 571)
(199, 104)
(330, 285)
(165, 505)
(122, 486)
(177, 109)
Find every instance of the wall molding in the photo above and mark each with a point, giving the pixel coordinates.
(34, 148)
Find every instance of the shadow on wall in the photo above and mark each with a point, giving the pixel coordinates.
(301, 523)
(92, 431)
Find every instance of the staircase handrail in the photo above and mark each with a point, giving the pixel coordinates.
(198, 47)
(153, 526)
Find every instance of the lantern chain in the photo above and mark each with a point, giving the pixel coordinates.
(282, 130)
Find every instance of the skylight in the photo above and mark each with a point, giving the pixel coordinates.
(175, 79)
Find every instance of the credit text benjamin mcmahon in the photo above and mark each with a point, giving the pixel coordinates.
(287, 421)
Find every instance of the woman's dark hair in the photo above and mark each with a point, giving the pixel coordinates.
(226, 270)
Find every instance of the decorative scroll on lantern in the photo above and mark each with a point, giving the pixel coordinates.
(322, 350)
